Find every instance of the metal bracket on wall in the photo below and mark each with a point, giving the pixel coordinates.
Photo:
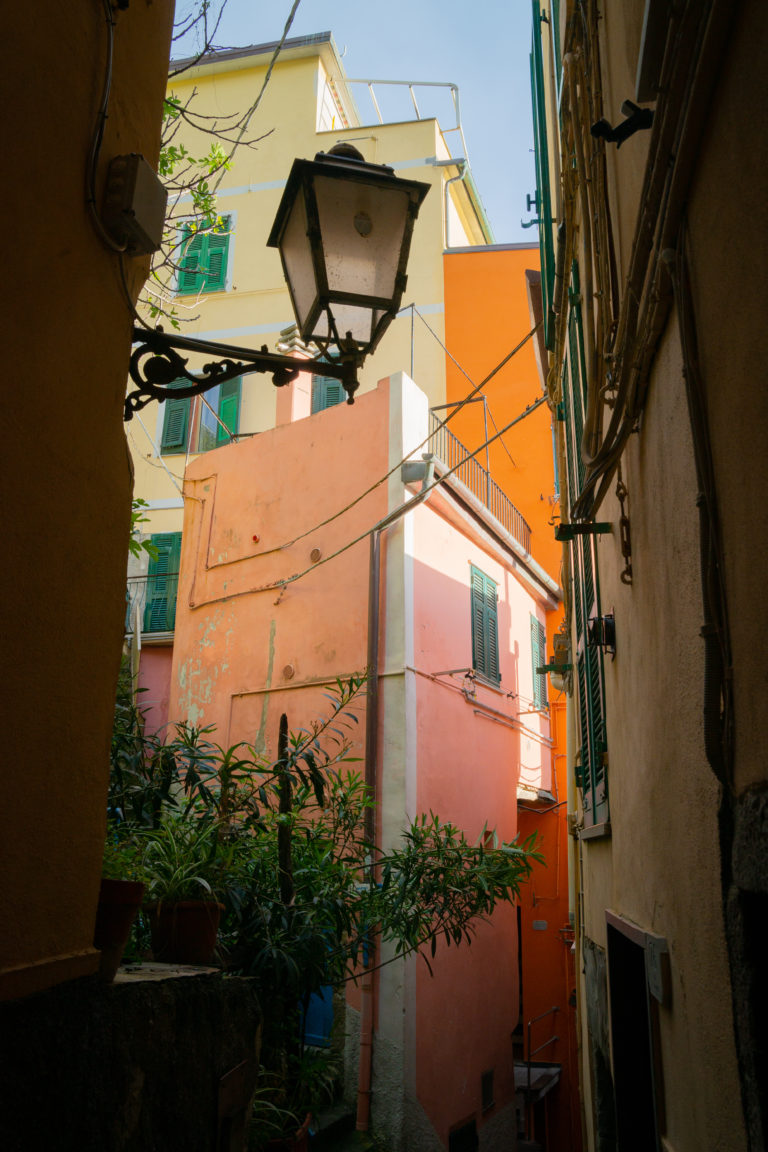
(565, 532)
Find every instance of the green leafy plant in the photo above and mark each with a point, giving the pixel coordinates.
(183, 859)
(281, 842)
(135, 544)
(122, 858)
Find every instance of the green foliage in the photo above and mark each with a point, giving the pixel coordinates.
(135, 543)
(184, 859)
(282, 844)
(122, 855)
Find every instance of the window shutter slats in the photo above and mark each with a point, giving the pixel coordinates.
(229, 409)
(162, 583)
(586, 593)
(485, 629)
(204, 259)
(539, 657)
(175, 424)
(326, 392)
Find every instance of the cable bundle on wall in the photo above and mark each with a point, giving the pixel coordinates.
(695, 42)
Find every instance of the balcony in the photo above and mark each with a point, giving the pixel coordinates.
(451, 452)
(150, 603)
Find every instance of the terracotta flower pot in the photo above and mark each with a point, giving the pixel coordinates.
(184, 933)
(296, 1143)
(119, 901)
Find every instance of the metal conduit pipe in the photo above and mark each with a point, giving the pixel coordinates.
(710, 35)
(690, 69)
(462, 166)
(367, 988)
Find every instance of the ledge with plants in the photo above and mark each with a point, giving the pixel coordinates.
(277, 847)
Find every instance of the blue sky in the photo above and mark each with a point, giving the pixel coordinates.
(482, 47)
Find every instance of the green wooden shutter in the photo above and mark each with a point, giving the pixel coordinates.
(229, 409)
(485, 628)
(326, 392)
(218, 251)
(175, 423)
(543, 192)
(192, 245)
(539, 657)
(204, 257)
(585, 587)
(478, 620)
(163, 583)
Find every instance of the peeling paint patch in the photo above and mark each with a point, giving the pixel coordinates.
(260, 743)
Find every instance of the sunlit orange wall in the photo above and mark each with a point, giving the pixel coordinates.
(486, 315)
(548, 962)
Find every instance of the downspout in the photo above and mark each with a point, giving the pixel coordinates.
(462, 166)
(367, 989)
(367, 998)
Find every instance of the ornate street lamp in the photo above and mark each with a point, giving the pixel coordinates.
(343, 229)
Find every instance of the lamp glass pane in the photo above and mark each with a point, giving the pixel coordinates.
(297, 259)
(362, 228)
(354, 318)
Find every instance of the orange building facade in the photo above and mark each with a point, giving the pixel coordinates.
(492, 293)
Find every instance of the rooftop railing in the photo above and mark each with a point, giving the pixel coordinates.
(450, 450)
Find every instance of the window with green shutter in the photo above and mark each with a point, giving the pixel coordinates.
(326, 392)
(183, 428)
(163, 583)
(539, 657)
(543, 190)
(203, 258)
(175, 422)
(223, 402)
(588, 660)
(485, 626)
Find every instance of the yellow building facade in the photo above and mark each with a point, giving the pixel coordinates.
(240, 297)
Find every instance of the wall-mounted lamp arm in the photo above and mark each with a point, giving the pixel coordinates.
(156, 363)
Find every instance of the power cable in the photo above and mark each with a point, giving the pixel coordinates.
(463, 372)
(430, 436)
(413, 503)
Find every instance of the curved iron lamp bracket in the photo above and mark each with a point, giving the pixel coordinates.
(156, 364)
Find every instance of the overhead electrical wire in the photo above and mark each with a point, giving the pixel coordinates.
(413, 503)
(464, 373)
(377, 483)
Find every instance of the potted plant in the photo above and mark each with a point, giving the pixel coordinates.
(120, 897)
(184, 864)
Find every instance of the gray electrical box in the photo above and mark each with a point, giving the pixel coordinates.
(134, 204)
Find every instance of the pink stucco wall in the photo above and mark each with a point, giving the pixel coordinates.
(245, 651)
(155, 684)
(470, 753)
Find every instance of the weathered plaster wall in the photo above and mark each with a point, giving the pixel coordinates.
(68, 483)
(670, 817)
(245, 651)
(155, 684)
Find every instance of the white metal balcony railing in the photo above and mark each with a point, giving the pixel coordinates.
(150, 603)
(450, 450)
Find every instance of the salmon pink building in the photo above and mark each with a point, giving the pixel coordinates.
(442, 600)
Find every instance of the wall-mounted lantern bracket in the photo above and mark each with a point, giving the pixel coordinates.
(565, 532)
(156, 364)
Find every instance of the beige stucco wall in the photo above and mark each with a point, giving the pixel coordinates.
(662, 867)
(68, 476)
